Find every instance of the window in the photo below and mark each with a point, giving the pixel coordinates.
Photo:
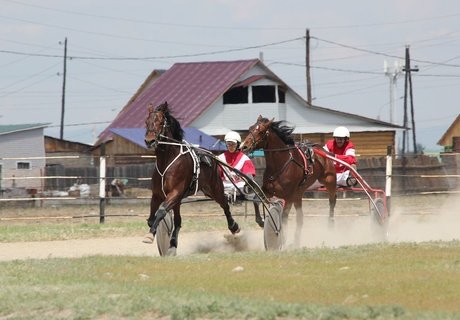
(23, 165)
(262, 94)
(236, 95)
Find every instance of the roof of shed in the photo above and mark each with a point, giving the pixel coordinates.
(11, 128)
(189, 88)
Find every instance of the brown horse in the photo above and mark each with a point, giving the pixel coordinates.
(178, 173)
(289, 171)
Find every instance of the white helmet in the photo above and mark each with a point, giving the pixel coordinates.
(233, 136)
(341, 132)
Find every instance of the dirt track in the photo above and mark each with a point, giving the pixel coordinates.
(415, 219)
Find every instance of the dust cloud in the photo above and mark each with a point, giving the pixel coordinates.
(413, 219)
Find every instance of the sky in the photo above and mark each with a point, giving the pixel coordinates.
(113, 45)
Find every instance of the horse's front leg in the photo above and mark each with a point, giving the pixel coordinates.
(285, 220)
(154, 205)
(170, 202)
(299, 223)
(332, 192)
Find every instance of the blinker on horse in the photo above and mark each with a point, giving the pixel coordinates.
(288, 172)
(178, 173)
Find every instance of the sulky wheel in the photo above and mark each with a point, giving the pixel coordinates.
(273, 237)
(379, 212)
(380, 219)
(163, 235)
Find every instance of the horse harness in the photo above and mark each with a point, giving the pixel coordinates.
(185, 148)
(306, 152)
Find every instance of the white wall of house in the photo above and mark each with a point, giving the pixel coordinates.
(220, 118)
(17, 150)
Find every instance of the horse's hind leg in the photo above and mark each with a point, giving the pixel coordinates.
(259, 219)
(219, 197)
(175, 233)
(231, 223)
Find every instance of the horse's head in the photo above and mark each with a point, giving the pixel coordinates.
(256, 137)
(155, 124)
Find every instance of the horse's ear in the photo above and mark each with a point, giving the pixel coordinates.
(163, 107)
(271, 121)
(260, 118)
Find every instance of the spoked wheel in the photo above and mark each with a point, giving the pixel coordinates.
(379, 215)
(163, 235)
(273, 236)
(379, 212)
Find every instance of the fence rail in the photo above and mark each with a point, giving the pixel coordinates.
(420, 174)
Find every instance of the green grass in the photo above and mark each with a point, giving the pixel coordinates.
(404, 281)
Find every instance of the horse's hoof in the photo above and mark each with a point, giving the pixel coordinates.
(148, 238)
(260, 223)
(172, 251)
(235, 228)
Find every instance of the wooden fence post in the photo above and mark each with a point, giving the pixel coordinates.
(102, 168)
(389, 172)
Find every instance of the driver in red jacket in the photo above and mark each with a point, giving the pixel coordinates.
(343, 149)
(238, 160)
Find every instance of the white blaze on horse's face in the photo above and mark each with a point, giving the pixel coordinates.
(154, 127)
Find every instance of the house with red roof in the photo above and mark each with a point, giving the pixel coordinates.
(219, 96)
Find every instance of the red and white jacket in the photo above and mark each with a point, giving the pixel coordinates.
(240, 161)
(347, 153)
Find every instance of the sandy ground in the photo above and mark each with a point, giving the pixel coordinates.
(423, 218)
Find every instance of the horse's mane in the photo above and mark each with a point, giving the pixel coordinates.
(175, 127)
(283, 130)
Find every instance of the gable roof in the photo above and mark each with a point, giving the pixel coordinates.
(11, 128)
(191, 135)
(189, 88)
(454, 128)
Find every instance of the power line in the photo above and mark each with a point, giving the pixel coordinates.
(386, 54)
(158, 57)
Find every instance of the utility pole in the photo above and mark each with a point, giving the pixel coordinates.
(307, 65)
(63, 90)
(408, 86)
(393, 76)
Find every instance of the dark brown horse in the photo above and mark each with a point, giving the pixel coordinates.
(289, 171)
(178, 173)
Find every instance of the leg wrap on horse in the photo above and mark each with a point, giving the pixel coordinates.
(159, 215)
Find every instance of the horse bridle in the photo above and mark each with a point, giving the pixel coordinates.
(263, 137)
(253, 138)
(161, 134)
